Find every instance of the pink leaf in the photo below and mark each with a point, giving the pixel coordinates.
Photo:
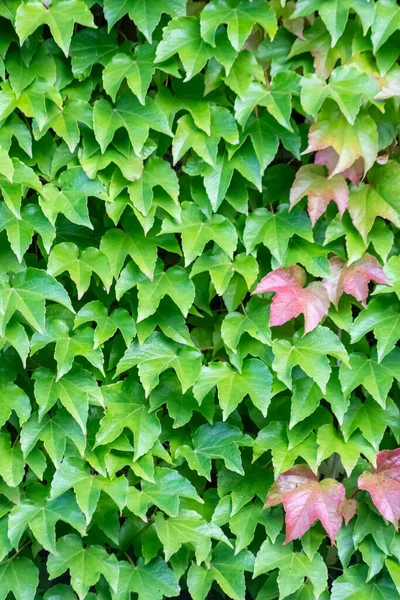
(354, 279)
(384, 484)
(311, 181)
(307, 500)
(291, 299)
(329, 158)
(348, 509)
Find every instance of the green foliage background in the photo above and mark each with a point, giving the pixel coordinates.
(147, 153)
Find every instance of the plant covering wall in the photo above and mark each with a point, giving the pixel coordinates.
(199, 299)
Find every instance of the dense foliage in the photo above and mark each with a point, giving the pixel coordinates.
(199, 299)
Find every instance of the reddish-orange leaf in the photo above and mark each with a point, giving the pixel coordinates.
(311, 181)
(292, 300)
(384, 484)
(353, 279)
(307, 500)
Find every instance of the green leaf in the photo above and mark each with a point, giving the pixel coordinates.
(158, 354)
(188, 527)
(255, 380)
(75, 390)
(85, 565)
(309, 352)
(164, 493)
(274, 230)
(240, 18)
(376, 377)
(13, 572)
(126, 408)
(220, 440)
(27, 293)
(41, 520)
(293, 567)
(60, 16)
(347, 87)
(145, 13)
(150, 581)
(74, 472)
(226, 568)
(196, 231)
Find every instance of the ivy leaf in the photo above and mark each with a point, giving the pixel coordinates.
(253, 322)
(182, 36)
(165, 493)
(158, 354)
(383, 484)
(130, 115)
(173, 282)
(347, 86)
(146, 14)
(383, 317)
(74, 472)
(291, 299)
(60, 16)
(196, 231)
(41, 520)
(13, 572)
(75, 390)
(365, 205)
(188, 527)
(274, 230)
(377, 378)
(156, 172)
(277, 99)
(151, 581)
(354, 582)
(220, 440)
(311, 182)
(12, 464)
(85, 565)
(305, 500)
(14, 399)
(53, 432)
(226, 568)
(255, 379)
(353, 279)
(68, 346)
(27, 293)
(293, 567)
(107, 324)
(126, 408)
(138, 71)
(350, 142)
(240, 18)
(309, 352)
(90, 47)
(330, 440)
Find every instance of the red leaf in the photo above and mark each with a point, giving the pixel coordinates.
(306, 500)
(348, 509)
(384, 484)
(312, 182)
(354, 279)
(291, 299)
(329, 158)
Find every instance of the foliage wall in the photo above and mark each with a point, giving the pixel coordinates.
(199, 299)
